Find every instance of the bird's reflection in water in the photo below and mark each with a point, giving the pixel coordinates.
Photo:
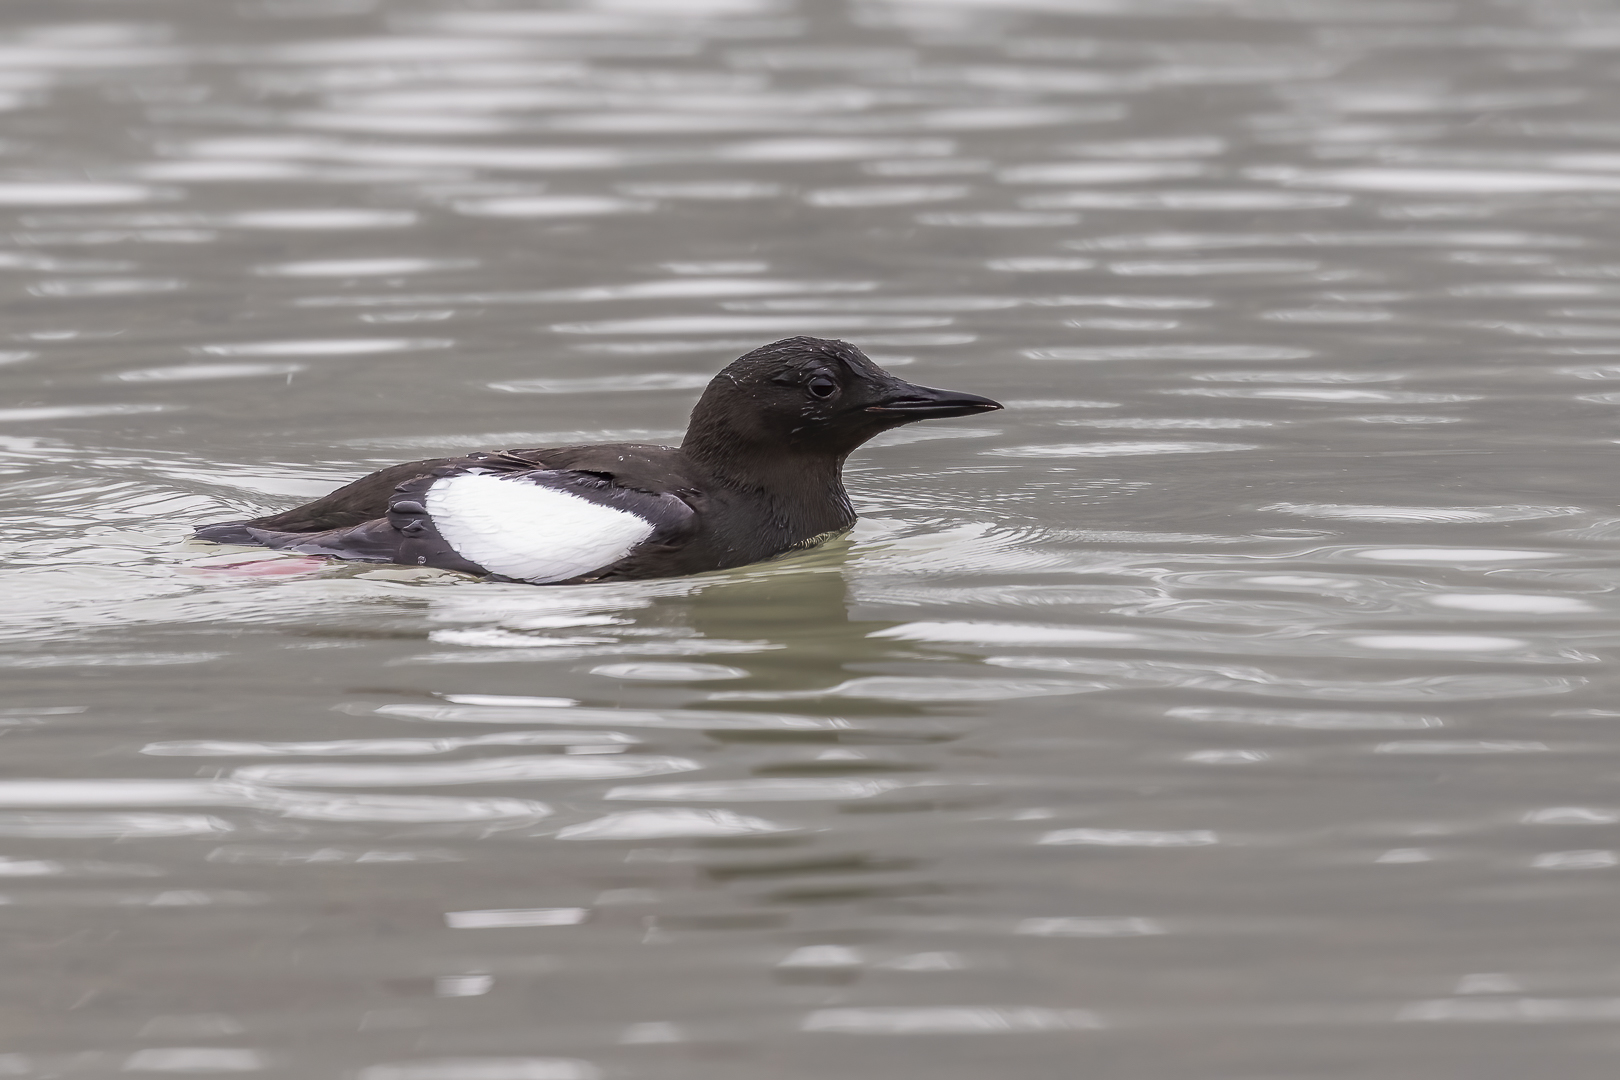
(733, 640)
(795, 613)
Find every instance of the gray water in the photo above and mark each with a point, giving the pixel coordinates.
(1237, 705)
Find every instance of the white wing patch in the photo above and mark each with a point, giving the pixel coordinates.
(532, 533)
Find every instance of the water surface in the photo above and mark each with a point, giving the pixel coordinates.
(1235, 706)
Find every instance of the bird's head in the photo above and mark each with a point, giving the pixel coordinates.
(812, 396)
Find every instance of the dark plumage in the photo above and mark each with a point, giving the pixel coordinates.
(759, 473)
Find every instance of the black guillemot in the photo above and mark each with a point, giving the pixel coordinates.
(759, 473)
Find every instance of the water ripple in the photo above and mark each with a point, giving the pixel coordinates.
(670, 823)
(1099, 676)
(985, 1020)
(1171, 352)
(474, 771)
(1423, 515)
(1194, 200)
(1116, 449)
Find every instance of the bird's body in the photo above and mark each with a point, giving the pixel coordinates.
(758, 474)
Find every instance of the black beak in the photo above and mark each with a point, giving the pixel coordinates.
(907, 401)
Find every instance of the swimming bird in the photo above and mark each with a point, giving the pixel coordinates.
(759, 473)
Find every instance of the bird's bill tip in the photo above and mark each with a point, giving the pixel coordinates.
(913, 402)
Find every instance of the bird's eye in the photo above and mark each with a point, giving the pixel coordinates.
(822, 387)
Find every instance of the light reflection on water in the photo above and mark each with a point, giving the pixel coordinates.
(1242, 688)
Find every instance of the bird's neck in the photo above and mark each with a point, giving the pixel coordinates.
(802, 491)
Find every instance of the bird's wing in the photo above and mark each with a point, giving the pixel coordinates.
(535, 525)
(363, 500)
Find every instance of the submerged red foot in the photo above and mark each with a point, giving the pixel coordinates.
(289, 566)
